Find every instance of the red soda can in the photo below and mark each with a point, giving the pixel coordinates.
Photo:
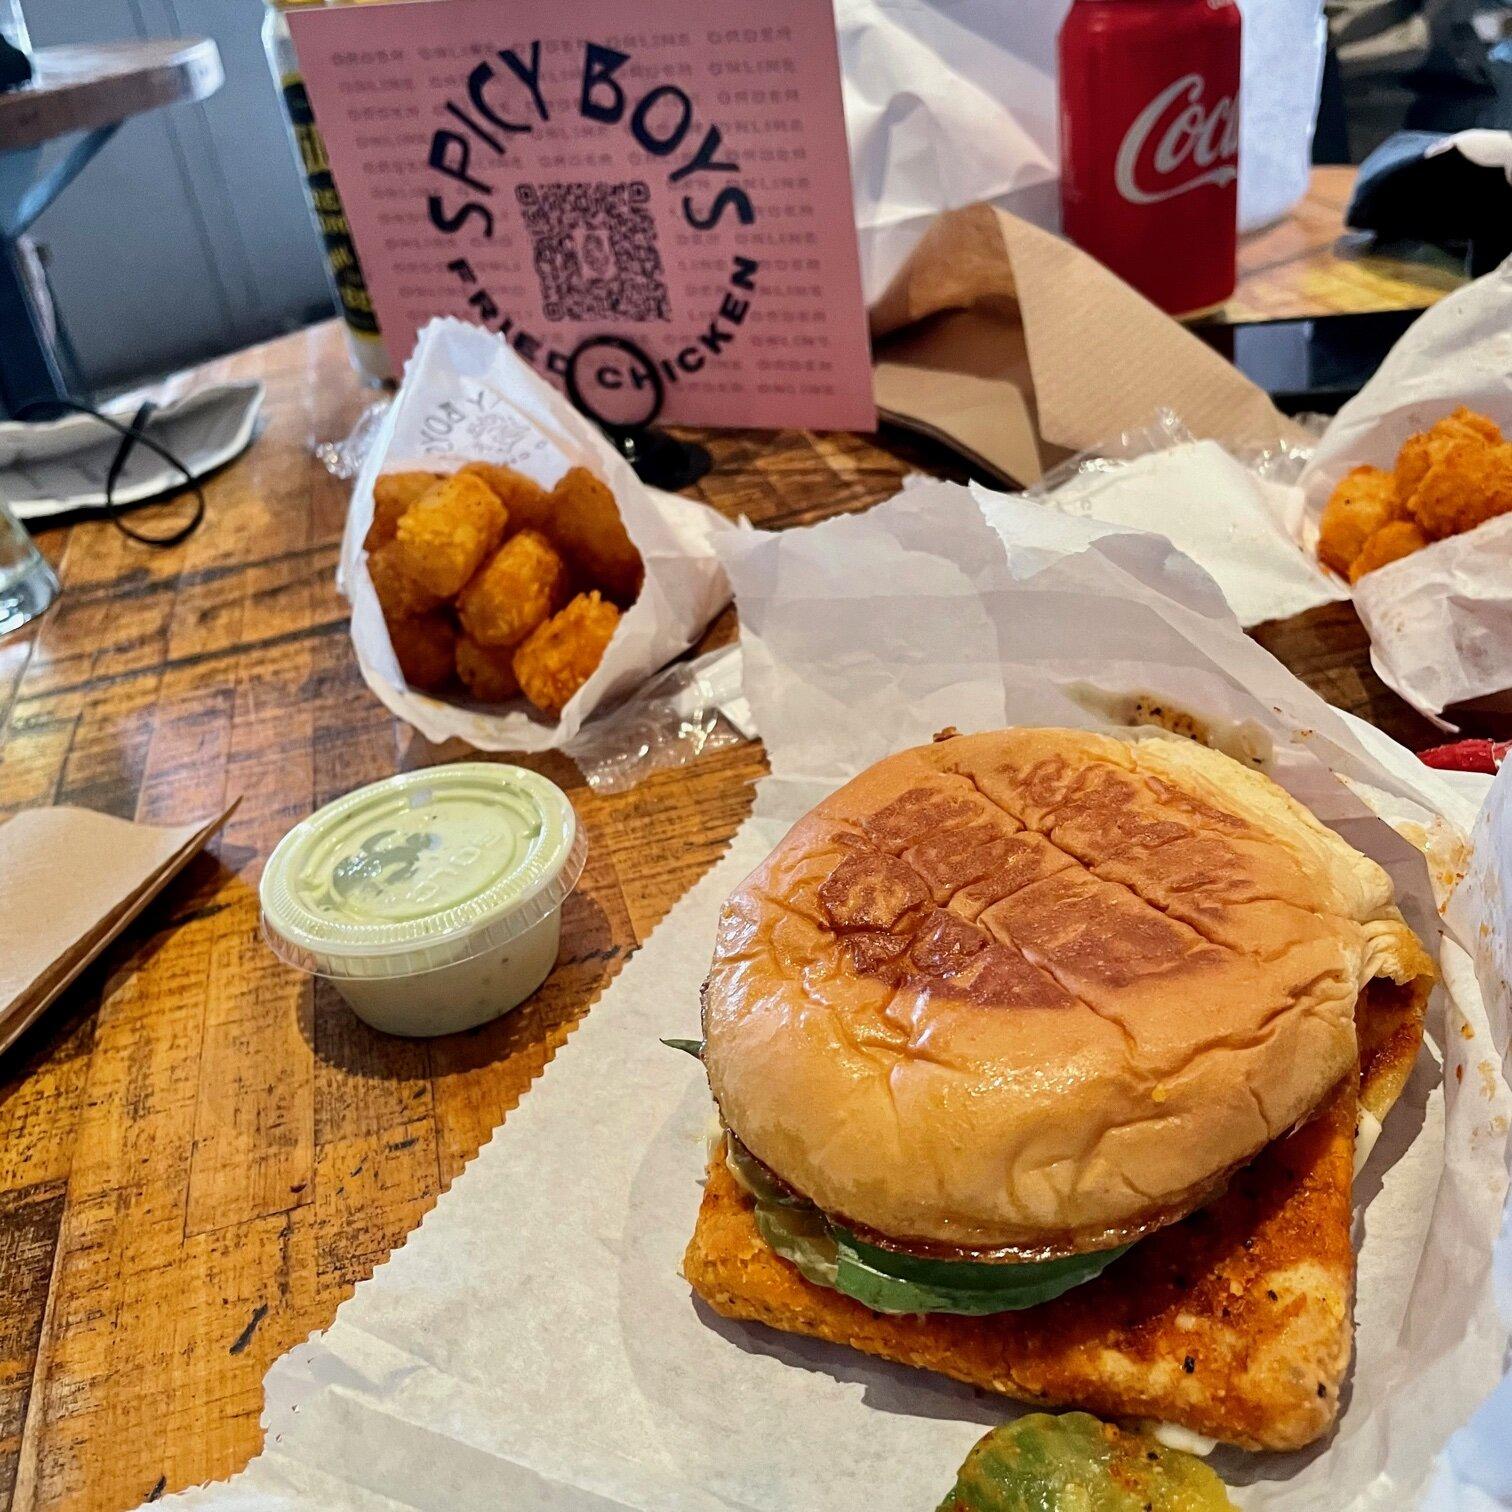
(1149, 122)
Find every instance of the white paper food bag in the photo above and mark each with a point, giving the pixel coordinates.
(467, 397)
(1440, 620)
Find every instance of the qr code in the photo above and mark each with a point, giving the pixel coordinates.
(595, 251)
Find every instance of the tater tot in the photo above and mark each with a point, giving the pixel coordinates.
(564, 652)
(399, 595)
(1419, 452)
(392, 495)
(1472, 420)
(488, 673)
(522, 585)
(1363, 501)
(448, 533)
(1394, 540)
(1414, 459)
(585, 523)
(426, 648)
(1467, 484)
(526, 502)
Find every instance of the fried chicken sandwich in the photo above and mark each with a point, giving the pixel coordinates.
(1040, 1056)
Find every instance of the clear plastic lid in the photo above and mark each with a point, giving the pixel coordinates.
(421, 871)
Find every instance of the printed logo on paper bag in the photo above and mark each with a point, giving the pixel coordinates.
(478, 424)
(664, 210)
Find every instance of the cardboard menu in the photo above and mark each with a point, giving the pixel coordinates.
(665, 187)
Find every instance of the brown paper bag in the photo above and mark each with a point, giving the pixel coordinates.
(1018, 349)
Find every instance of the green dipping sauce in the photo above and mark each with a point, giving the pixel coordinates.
(410, 855)
(426, 871)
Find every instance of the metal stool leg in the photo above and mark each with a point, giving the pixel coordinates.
(28, 369)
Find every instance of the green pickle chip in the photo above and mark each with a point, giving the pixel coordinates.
(1076, 1463)
(889, 1282)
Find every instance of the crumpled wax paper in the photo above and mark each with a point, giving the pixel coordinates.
(1243, 528)
(533, 1345)
(467, 397)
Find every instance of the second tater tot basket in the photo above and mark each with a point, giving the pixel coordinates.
(467, 399)
(1438, 610)
(1440, 618)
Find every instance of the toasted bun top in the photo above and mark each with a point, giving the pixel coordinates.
(1041, 990)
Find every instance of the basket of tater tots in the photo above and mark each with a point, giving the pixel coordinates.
(1403, 504)
(508, 572)
(1409, 501)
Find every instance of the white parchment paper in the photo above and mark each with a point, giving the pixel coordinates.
(532, 1344)
(467, 397)
(1244, 529)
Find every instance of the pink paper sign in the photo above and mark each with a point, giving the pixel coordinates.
(652, 197)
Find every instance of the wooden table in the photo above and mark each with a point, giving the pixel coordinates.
(201, 1153)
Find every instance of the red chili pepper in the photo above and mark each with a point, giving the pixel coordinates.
(1467, 756)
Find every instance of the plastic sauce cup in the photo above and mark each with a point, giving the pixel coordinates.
(433, 900)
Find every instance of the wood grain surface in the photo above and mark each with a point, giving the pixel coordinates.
(1307, 264)
(201, 1152)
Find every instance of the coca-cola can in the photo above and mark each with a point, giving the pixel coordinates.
(1149, 120)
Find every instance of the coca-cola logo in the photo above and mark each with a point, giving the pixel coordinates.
(1175, 144)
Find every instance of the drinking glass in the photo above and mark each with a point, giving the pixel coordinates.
(27, 584)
